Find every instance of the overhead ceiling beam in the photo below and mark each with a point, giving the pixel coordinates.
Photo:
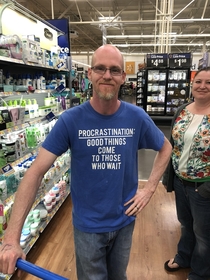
(78, 10)
(95, 9)
(183, 9)
(122, 10)
(146, 21)
(64, 13)
(204, 9)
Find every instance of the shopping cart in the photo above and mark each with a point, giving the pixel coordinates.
(38, 271)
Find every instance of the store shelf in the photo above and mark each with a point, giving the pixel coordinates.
(140, 88)
(28, 64)
(42, 226)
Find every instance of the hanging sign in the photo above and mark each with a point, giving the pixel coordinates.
(158, 60)
(180, 60)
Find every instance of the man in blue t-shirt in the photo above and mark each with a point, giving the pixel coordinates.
(104, 135)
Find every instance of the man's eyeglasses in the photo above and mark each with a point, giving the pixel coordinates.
(101, 70)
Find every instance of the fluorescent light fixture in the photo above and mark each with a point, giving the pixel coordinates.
(147, 45)
(107, 19)
(157, 35)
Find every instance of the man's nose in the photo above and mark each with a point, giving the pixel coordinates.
(107, 74)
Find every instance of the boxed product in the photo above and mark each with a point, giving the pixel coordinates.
(5, 119)
(17, 115)
(11, 46)
(30, 50)
(8, 88)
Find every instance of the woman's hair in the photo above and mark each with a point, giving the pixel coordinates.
(201, 70)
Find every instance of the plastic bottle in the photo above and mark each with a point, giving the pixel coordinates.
(3, 160)
(58, 103)
(9, 79)
(34, 82)
(53, 82)
(43, 81)
(38, 82)
(54, 58)
(27, 109)
(42, 132)
(36, 108)
(63, 80)
(24, 79)
(28, 80)
(19, 80)
(14, 79)
(30, 107)
(29, 137)
(47, 58)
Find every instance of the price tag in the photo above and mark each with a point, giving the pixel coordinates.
(60, 65)
(1, 210)
(180, 60)
(9, 130)
(7, 169)
(157, 60)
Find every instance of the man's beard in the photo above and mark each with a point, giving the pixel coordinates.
(106, 96)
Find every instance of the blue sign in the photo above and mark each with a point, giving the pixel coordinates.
(63, 40)
(157, 60)
(180, 60)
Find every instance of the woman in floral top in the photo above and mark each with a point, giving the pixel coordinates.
(188, 175)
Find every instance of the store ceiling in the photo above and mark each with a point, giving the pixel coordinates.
(135, 26)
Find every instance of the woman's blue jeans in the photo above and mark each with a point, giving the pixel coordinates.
(193, 212)
(103, 256)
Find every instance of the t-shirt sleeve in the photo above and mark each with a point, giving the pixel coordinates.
(57, 141)
(152, 137)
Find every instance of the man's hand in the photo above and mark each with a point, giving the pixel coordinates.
(139, 201)
(9, 253)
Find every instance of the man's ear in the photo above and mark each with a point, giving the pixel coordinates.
(89, 75)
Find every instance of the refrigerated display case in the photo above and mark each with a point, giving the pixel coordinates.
(166, 90)
(167, 83)
(156, 86)
(178, 88)
(140, 88)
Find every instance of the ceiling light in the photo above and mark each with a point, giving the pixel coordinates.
(157, 35)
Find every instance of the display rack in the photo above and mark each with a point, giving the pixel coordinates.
(140, 88)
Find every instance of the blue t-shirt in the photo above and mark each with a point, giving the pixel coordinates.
(104, 161)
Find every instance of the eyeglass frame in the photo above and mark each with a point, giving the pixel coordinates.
(106, 68)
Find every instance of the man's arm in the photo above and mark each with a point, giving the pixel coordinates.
(143, 196)
(24, 199)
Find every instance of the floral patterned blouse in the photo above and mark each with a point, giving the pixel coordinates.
(191, 152)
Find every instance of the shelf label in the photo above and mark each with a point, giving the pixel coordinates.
(9, 130)
(180, 60)
(1, 210)
(7, 169)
